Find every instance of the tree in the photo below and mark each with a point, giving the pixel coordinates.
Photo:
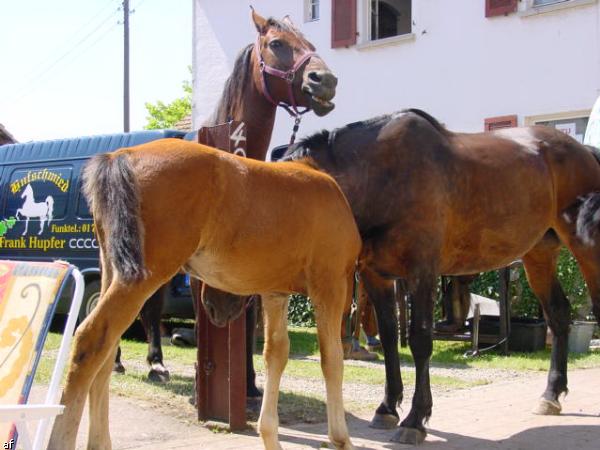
(161, 115)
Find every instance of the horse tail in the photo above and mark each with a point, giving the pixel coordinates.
(111, 189)
(50, 205)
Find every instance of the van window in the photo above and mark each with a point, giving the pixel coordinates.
(83, 211)
(38, 193)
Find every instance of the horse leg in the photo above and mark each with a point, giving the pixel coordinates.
(42, 222)
(381, 294)
(540, 268)
(118, 365)
(99, 437)
(26, 225)
(95, 340)
(150, 316)
(252, 390)
(275, 353)
(412, 431)
(329, 305)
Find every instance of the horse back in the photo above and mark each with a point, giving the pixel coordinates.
(226, 218)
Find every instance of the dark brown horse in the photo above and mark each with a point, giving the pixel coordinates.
(279, 69)
(428, 201)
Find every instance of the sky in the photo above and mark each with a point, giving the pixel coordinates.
(61, 64)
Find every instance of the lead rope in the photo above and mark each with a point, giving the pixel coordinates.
(295, 129)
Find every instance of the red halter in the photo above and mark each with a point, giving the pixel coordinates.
(287, 75)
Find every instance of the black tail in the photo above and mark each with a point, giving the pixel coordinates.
(588, 218)
(111, 190)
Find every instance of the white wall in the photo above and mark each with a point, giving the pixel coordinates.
(461, 67)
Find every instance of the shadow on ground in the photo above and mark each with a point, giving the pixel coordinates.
(539, 438)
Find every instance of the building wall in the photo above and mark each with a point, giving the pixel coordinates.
(458, 65)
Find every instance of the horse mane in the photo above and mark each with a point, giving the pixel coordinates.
(302, 148)
(324, 139)
(235, 85)
(429, 118)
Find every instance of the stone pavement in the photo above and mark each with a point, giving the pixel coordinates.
(495, 416)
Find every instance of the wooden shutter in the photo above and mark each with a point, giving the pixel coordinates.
(500, 7)
(343, 23)
(494, 123)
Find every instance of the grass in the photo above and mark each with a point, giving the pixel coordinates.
(294, 406)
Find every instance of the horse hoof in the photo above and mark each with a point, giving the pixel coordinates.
(118, 367)
(384, 421)
(547, 408)
(410, 436)
(159, 376)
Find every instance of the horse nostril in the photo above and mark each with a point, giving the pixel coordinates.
(314, 76)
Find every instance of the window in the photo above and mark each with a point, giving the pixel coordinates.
(547, 2)
(389, 18)
(534, 7)
(38, 193)
(495, 123)
(311, 10)
(574, 127)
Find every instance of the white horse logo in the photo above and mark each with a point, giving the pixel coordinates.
(31, 209)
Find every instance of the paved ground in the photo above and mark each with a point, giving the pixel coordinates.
(495, 416)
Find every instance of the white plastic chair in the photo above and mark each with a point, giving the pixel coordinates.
(21, 284)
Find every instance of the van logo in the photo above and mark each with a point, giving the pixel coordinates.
(30, 209)
(40, 175)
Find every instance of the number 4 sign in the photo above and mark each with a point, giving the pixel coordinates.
(238, 137)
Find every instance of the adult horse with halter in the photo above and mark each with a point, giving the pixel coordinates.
(428, 202)
(280, 68)
(170, 204)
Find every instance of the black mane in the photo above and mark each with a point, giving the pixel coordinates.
(325, 139)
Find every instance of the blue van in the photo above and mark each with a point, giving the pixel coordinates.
(44, 216)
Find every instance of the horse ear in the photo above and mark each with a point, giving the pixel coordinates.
(259, 22)
(288, 21)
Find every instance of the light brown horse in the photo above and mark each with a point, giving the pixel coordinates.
(170, 204)
(252, 96)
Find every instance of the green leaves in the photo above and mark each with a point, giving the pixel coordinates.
(300, 311)
(164, 115)
(6, 225)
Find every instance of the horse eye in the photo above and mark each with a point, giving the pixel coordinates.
(276, 43)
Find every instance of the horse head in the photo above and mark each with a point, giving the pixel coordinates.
(220, 306)
(287, 69)
(27, 192)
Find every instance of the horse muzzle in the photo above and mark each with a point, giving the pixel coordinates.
(319, 86)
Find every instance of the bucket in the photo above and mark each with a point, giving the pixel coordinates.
(580, 336)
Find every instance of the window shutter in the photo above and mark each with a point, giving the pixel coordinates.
(500, 7)
(494, 123)
(343, 23)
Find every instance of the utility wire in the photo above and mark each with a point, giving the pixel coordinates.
(40, 74)
(25, 93)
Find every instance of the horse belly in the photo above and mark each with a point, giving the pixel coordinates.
(497, 230)
(242, 275)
